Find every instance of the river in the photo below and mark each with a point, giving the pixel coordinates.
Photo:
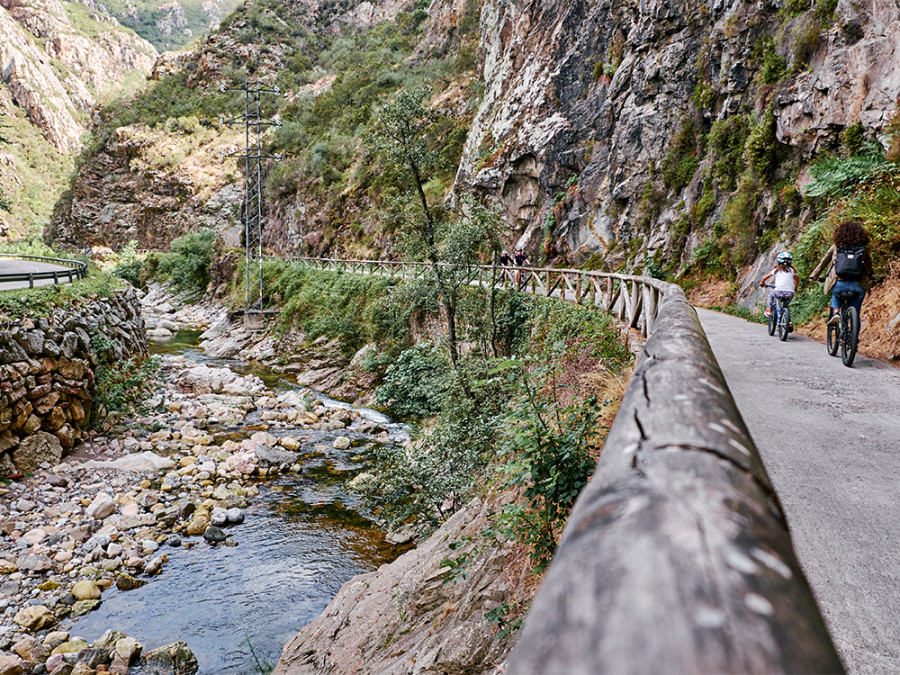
(303, 537)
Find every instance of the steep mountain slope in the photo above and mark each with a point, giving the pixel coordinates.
(676, 137)
(168, 24)
(333, 63)
(57, 59)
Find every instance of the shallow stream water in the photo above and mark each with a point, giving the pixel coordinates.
(303, 537)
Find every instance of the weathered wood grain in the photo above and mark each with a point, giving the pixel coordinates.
(677, 557)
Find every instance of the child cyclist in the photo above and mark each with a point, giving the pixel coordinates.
(786, 281)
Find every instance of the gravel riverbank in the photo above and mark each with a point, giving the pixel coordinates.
(114, 511)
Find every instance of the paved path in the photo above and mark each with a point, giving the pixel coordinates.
(8, 266)
(830, 440)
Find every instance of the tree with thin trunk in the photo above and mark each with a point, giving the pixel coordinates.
(449, 245)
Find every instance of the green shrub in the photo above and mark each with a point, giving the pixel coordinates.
(794, 8)
(187, 266)
(426, 484)
(120, 388)
(853, 138)
(761, 145)
(833, 175)
(773, 65)
(824, 10)
(727, 138)
(353, 308)
(683, 158)
(416, 383)
(739, 229)
(548, 445)
(704, 95)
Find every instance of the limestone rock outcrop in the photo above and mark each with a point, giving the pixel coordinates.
(582, 101)
(412, 615)
(56, 73)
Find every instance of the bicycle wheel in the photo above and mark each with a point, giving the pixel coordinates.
(833, 339)
(850, 326)
(773, 317)
(784, 322)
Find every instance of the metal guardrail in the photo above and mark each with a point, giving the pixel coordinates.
(76, 270)
(677, 556)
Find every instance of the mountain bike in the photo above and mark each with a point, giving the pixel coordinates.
(780, 318)
(845, 333)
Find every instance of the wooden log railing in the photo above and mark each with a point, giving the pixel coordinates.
(632, 299)
(677, 556)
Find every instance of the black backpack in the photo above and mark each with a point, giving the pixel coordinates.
(848, 263)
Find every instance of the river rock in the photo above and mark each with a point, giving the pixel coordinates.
(139, 462)
(154, 566)
(234, 516)
(102, 507)
(172, 659)
(83, 607)
(218, 517)
(264, 438)
(139, 520)
(36, 449)
(86, 590)
(341, 443)
(94, 656)
(290, 443)
(126, 582)
(276, 456)
(108, 640)
(11, 664)
(197, 526)
(34, 618)
(31, 650)
(73, 646)
(34, 563)
(35, 536)
(214, 535)
(57, 664)
(128, 649)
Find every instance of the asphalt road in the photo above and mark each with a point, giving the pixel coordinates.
(830, 440)
(26, 267)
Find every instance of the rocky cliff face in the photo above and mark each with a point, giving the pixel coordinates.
(56, 72)
(583, 102)
(152, 185)
(58, 59)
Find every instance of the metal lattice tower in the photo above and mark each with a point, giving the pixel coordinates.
(254, 127)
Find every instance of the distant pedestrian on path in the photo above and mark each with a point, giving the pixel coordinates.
(505, 260)
(851, 266)
(521, 260)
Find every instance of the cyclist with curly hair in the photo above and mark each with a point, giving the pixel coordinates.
(851, 266)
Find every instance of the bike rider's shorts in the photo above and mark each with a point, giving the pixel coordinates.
(784, 295)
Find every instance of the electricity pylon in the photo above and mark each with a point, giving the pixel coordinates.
(254, 127)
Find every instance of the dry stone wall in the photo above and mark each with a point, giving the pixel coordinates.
(47, 375)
